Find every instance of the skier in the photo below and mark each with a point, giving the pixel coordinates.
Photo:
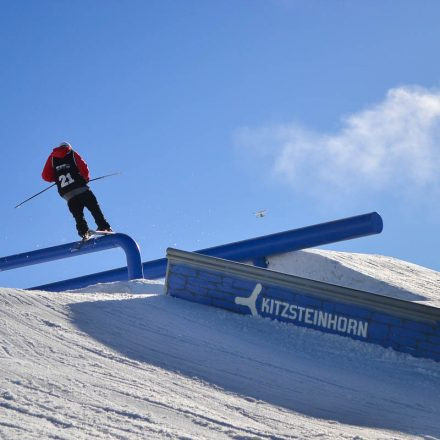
(71, 174)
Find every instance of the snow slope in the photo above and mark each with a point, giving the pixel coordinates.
(121, 360)
(372, 273)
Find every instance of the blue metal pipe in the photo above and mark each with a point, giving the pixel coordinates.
(254, 249)
(68, 250)
(296, 239)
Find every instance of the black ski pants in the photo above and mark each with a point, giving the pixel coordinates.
(86, 200)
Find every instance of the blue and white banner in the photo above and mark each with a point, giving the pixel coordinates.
(401, 325)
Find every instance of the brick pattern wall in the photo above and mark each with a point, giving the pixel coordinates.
(249, 295)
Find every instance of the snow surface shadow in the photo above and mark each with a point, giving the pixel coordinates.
(300, 370)
(321, 268)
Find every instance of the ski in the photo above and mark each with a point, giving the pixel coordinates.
(91, 235)
(97, 232)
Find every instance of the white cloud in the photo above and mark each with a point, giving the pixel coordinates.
(394, 146)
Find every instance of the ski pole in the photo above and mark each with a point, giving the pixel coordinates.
(107, 175)
(35, 195)
(49, 187)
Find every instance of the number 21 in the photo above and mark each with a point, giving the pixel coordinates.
(65, 180)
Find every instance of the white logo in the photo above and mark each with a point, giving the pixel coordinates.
(251, 300)
(299, 314)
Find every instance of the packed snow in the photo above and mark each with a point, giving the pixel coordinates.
(372, 273)
(122, 360)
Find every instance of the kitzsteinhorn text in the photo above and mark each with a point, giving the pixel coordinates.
(317, 318)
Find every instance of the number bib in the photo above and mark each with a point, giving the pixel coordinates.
(68, 177)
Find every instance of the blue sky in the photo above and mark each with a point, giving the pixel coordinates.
(313, 110)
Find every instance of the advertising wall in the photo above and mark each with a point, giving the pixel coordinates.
(402, 325)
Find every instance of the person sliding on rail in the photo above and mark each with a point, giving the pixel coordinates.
(70, 172)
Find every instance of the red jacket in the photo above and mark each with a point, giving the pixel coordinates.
(48, 173)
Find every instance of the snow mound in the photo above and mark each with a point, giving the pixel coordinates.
(135, 286)
(121, 360)
(372, 273)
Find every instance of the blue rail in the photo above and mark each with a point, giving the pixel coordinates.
(254, 249)
(134, 268)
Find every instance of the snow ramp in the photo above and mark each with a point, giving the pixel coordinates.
(124, 361)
